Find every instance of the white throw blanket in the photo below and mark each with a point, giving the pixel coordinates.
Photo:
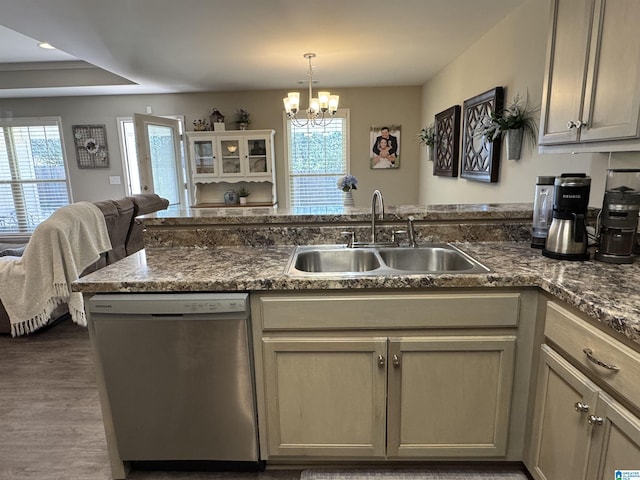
(60, 248)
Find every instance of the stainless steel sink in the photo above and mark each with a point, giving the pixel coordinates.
(426, 259)
(336, 260)
(339, 260)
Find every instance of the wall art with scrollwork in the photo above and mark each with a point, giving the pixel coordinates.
(480, 157)
(447, 133)
(91, 146)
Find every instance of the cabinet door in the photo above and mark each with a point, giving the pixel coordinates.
(616, 441)
(449, 396)
(612, 102)
(567, 55)
(203, 157)
(561, 435)
(257, 156)
(325, 396)
(230, 157)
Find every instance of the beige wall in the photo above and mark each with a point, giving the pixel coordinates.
(368, 106)
(511, 55)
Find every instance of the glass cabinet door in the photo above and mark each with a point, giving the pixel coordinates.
(203, 157)
(258, 156)
(230, 154)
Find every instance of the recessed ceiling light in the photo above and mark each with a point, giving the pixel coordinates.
(46, 45)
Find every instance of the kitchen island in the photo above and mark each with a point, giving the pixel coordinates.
(495, 319)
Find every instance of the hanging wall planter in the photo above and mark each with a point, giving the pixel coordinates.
(430, 153)
(514, 143)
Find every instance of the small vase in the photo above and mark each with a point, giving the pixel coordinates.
(348, 199)
(243, 125)
(430, 153)
(243, 200)
(514, 143)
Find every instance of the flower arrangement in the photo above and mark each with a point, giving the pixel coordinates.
(514, 116)
(242, 116)
(427, 136)
(347, 183)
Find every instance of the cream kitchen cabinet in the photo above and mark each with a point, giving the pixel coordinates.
(581, 429)
(388, 376)
(591, 100)
(243, 156)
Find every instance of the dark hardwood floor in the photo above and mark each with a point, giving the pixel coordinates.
(50, 418)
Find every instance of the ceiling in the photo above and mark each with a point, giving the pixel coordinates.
(168, 46)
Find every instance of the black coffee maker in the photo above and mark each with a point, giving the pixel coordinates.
(567, 238)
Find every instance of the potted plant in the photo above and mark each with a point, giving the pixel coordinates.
(427, 137)
(243, 193)
(516, 122)
(242, 118)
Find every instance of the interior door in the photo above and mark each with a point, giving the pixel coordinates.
(159, 159)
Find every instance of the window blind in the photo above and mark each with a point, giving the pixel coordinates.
(317, 157)
(33, 180)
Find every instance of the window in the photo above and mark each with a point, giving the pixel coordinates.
(316, 158)
(33, 177)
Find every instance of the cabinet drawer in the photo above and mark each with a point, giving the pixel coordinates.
(417, 310)
(574, 335)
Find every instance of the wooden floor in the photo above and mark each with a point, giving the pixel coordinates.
(50, 418)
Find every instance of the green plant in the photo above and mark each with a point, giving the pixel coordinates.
(242, 116)
(243, 192)
(513, 117)
(427, 136)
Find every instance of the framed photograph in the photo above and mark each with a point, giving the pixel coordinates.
(447, 133)
(384, 147)
(91, 146)
(480, 158)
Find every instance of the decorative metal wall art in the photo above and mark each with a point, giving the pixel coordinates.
(447, 132)
(91, 146)
(480, 157)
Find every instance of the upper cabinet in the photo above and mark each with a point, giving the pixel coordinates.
(591, 95)
(219, 158)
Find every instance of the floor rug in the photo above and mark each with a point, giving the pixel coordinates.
(421, 474)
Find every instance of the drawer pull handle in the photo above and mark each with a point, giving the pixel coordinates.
(380, 361)
(581, 407)
(589, 353)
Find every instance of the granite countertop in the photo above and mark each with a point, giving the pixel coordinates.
(608, 293)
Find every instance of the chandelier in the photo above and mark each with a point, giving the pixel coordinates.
(321, 109)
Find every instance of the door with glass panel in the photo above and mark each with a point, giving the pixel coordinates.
(159, 160)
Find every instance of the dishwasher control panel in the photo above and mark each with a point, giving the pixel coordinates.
(169, 303)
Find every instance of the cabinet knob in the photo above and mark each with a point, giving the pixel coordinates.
(576, 124)
(581, 407)
(380, 361)
(594, 420)
(396, 361)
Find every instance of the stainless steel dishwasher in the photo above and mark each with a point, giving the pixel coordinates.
(175, 376)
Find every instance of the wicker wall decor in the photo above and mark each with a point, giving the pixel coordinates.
(91, 146)
(480, 158)
(447, 133)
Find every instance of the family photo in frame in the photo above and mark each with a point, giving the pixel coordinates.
(384, 147)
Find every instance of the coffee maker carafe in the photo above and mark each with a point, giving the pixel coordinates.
(567, 238)
(542, 210)
(619, 216)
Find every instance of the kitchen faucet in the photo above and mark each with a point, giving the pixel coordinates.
(376, 199)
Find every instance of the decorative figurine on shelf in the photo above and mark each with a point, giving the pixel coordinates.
(217, 120)
(200, 126)
(242, 118)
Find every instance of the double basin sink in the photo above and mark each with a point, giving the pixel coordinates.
(340, 260)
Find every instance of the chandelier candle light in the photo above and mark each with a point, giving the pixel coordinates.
(319, 107)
